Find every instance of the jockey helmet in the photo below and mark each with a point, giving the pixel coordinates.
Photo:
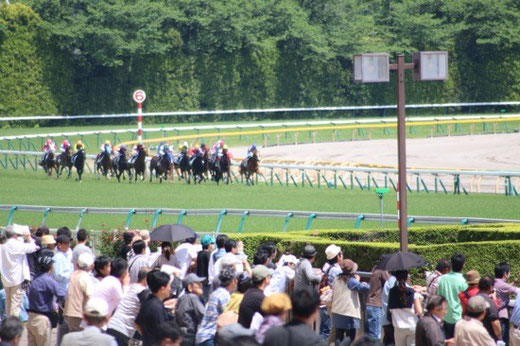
(203, 145)
(123, 146)
(66, 143)
(49, 141)
(180, 146)
(221, 143)
(107, 142)
(79, 144)
(225, 147)
(253, 146)
(185, 145)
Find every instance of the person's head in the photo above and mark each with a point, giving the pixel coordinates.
(191, 240)
(277, 304)
(290, 261)
(221, 241)
(207, 242)
(82, 235)
(476, 307)
(228, 278)
(270, 247)
(457, 262)
(334, 254)
(443, 266)
(437, 305)
(348, 266)
(472, 278)
(261, 276)
(231, 246)
(45, 264)
(261, 257)
(309, 252)
(305, 303)
(41, 231)
(367, 340)
(64, 231)
(119, 268)
(15, 231)
(244, 282)
(169, 334)
(102, 266)
(48, 242)
(166, 249)
(159, 283)
(193, 284)
(95, 312)
(128, 237)
(85, 262)
(139, 247)
(145, 235)
(11, 330)
(502, 270)
(486, 284)
(63, 243)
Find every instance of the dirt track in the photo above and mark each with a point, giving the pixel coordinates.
(483, 152)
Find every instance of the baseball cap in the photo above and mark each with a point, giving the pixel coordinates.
(192, 278)
(476, 304)
(332, 251)
(85, 260)
(48, 240)
(260, 272)
(96, 307)
(207, 239)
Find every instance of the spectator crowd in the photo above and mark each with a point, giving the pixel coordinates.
(206, 291)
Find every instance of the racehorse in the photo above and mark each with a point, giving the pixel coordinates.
(48, 163)
(78, 160)
(104, 165)
(138, 163)
(220, 167)
(120, 166)
(183, 163)
(64, 160)
(197, 168)
(162, 167)
(248, 168)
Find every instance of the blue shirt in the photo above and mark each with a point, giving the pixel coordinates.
(62, 269)
(217, 301)
(41, 293)
(515, 315)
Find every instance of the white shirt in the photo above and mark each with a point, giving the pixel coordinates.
(134, 266)
(110, 290)
(184, 255)
(278, 283)
(405, 318)
(14, 266)
(126, 312)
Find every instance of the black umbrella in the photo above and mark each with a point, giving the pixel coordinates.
(401, 261)
(172, 233)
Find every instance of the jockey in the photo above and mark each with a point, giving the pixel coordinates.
(161, 149)
(79, 148)
(184, 148)
(65, 145)
(135, 152)
(107, 148)
(217, 147)
(251, 151)
(226, 153)
(48, 147)
(122, 150)
(203, 148)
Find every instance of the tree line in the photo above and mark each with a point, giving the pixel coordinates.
(87, 56)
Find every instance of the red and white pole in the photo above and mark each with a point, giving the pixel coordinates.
(139, 97)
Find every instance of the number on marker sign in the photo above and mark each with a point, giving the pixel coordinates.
(139, 96)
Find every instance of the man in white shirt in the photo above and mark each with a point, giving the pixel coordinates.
(121, 325)
(14, 267)
(282, 275)
(113, 287)
(186, 255)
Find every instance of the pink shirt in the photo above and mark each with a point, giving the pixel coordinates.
(110, 290)
(504, 292)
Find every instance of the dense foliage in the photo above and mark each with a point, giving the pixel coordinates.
(86, 56)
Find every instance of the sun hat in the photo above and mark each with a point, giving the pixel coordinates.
(260, 272)
(85, 260)
(477, 304)
(309, 251)
(332, 251)
(207, 239)
(18, 229)
(287, 259)
(472, 277)
(349, 266)
(48, 240)
(276, 303)
(96, 307)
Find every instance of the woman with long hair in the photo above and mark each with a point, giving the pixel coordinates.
(404, 309)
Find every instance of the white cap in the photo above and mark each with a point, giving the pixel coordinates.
(18, 229)
(288, 259)
(332, 251)
(96, 307)
(85, 260)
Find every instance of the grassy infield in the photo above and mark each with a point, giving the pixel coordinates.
(19, 187)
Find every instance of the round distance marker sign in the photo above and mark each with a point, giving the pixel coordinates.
(139, 96)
